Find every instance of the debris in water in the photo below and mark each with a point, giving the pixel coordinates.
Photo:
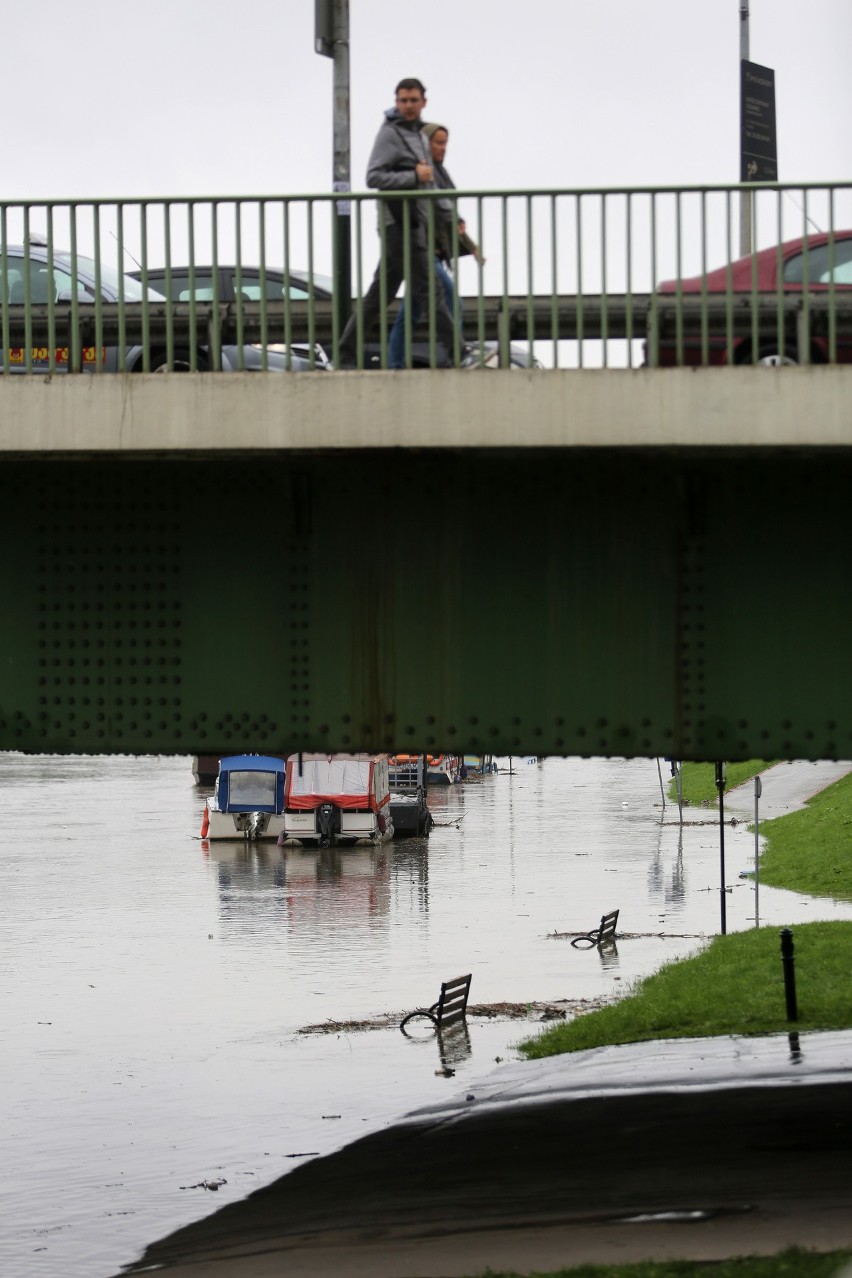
(484, 1011)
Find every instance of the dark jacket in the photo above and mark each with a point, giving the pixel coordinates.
(446, 213)
(399, 147)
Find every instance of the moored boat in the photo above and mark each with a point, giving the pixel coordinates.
(441, 769)
(249, 791)
(478, 765)
(334, 798)
(409, 809)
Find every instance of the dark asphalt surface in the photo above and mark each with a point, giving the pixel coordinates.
(683, 1148)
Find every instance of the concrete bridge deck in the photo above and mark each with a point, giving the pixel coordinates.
(196, 413)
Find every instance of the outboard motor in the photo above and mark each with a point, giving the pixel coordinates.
(325, 820)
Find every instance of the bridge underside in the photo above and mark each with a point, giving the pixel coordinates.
(681, 601)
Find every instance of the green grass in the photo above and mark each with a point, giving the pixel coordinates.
(811, 850)
(735, 986)
(794, 1263)
(699, 780)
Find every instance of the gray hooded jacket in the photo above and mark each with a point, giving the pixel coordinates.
(399, 147)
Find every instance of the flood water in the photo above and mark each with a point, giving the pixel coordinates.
(154, 986)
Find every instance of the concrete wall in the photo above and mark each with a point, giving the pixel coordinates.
(206, 413)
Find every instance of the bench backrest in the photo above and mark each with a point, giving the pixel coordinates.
(607, 927)
(452, 1005)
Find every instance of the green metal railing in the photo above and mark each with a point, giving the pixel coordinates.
(564, 279)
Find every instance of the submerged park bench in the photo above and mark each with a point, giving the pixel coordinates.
(601, 934)
(450, 1007)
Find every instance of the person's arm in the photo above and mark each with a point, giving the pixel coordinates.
(466, 244)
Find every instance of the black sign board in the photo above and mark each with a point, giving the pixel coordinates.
(758, 146)
(324, 27)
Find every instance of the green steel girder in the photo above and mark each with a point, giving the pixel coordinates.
(688, 604)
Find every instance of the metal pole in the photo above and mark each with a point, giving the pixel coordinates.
(679, 766)
(342, 174)
(745, 196)
(720, 784)
(757, 792)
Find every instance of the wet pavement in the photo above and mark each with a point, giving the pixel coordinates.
(152, 1064)
(699, 1149)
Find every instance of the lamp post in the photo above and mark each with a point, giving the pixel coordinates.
(745, 196)
(331, 40)
(758, 789)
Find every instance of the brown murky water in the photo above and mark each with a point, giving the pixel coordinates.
(154, 987)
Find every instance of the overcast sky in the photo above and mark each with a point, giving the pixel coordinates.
(187, 97)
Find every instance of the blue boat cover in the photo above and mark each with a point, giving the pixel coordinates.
(251, 783)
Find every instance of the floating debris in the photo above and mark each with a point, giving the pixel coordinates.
(533, 1011)
(638, 936)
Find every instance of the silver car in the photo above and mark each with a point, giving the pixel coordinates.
(30, 271)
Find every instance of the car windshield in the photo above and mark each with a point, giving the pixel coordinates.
(111, 280)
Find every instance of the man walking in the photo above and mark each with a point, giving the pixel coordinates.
(401, 160)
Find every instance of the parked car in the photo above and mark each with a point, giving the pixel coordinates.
(807, 263)
(301, 286)
(58, 282)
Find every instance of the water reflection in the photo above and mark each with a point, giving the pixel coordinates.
(454, 1044)
(306, 888)
(668, 886)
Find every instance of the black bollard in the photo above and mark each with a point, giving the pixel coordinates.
(787, 962)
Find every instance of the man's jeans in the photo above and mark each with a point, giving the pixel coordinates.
(396, 347)
(393, 266)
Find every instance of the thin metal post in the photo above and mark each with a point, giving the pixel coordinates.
(758, 788)
(788, 964)
(720, 785)
(745, 196)
(342, 173)
(679, 766)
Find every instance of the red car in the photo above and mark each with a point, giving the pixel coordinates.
(730, 290)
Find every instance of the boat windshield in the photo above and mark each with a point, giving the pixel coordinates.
(250, 790)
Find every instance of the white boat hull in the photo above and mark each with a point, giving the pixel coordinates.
(363, 828)
(229, 825)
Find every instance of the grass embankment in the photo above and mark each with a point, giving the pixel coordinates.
(736, 986)
(787, 1264)
(807, 851)
(811, 850)
(698, 780)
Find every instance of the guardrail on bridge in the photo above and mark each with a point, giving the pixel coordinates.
(568, 278)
